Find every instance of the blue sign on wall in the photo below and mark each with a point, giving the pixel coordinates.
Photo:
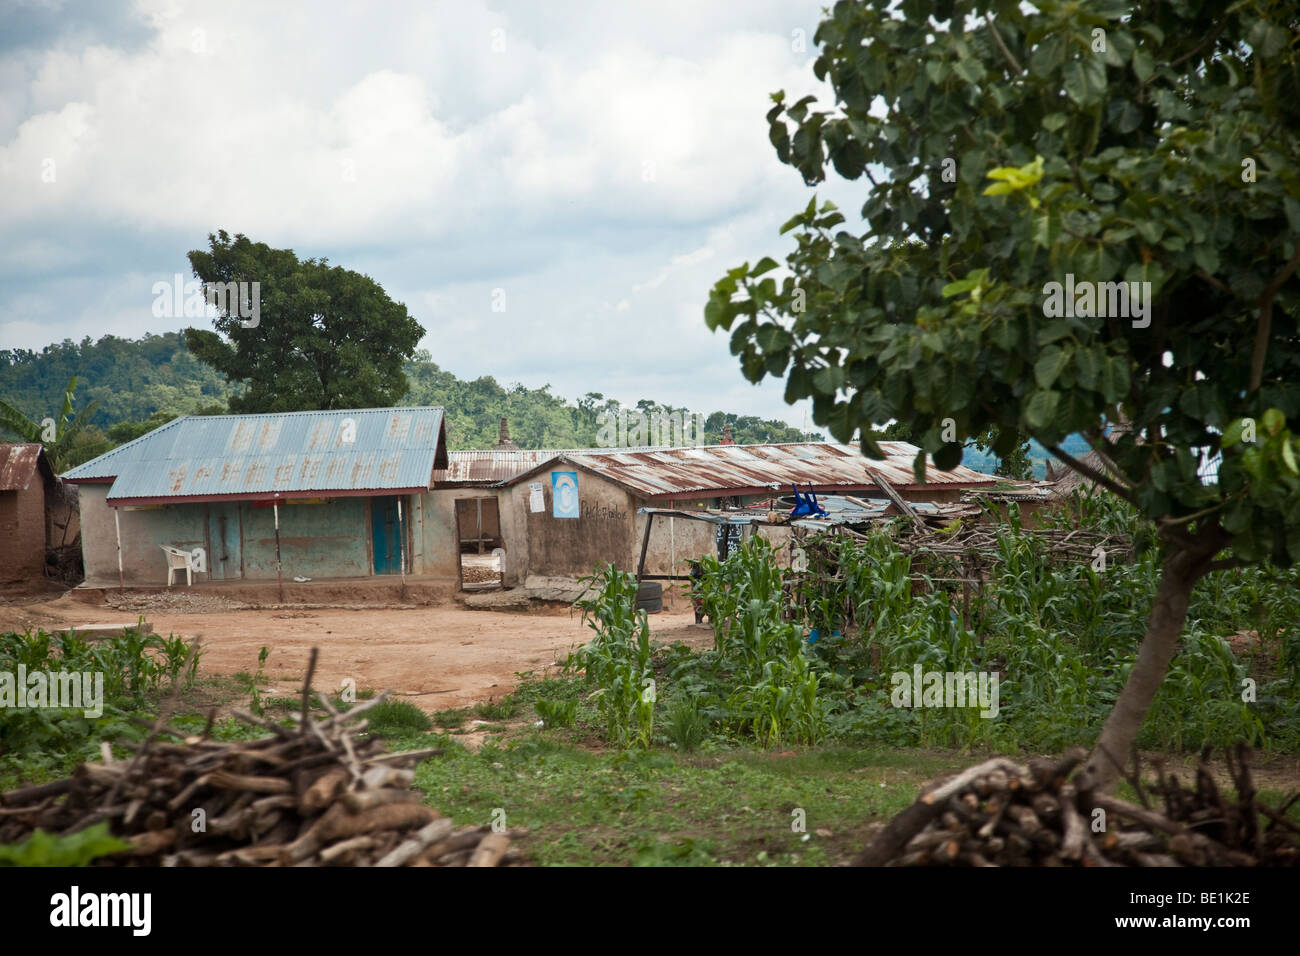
(564, 494)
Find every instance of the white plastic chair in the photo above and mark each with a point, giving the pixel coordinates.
(176, 560)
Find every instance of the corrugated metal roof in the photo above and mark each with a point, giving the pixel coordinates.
(730, 469)
(17, 465)
(301, 453)
(491, 466)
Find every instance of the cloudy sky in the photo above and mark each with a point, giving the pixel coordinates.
(600, 164)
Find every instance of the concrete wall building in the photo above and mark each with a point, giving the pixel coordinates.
(350, 491)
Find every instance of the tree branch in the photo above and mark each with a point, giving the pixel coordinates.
(1186, 519)
(1202, 274)
(1002, 46)
(1202, 45)
(1265, 326)
(1091, 473)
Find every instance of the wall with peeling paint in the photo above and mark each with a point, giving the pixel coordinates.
(434, 535)
(143, 532)
(316, 541)
(326, 540)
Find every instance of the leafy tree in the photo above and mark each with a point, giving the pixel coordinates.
(323, 337)
(58, 435)
(1014, 464)
(1008, 148)
(124, 432)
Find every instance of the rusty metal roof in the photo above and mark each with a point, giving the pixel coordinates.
(493, 466)
(713, 470)
(18, 464)
(348, 451)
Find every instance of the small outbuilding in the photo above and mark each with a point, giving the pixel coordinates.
(38, 516)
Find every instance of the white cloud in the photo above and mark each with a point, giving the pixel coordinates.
(573, 169)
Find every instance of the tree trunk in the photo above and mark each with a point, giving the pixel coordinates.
(1181, 570)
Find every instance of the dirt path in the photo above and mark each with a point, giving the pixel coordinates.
(437, 657)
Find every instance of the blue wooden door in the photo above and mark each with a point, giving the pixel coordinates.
(225, 562)
(386, 535)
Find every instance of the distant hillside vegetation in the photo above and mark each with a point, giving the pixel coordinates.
(142, 383)
(130, 378)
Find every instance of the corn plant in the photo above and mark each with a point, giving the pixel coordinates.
(782, 706)
(617, 659)
(255, 704)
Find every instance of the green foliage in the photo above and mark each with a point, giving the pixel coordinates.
(451, 718)
(140, 384)
(502, 709)
(72, 849)
(124, 432)
(685, 725)
(539, 419)
(617, 660)
(61, 446)
(326, 337)
(128, 379)
(557, 713)
(1060, 636)
(255, 682)
(395, 718)
(136, 669)
(1163, 158)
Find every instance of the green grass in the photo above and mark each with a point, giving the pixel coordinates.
(502, 709)
(397, 718)
(451, 719)
(733, 807)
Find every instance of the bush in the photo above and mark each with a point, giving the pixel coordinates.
(396, 718)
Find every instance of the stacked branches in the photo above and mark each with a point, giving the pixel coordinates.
(313, 795)
(1000, 813)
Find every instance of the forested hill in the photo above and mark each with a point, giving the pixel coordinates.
(138, 383)
(131, 379)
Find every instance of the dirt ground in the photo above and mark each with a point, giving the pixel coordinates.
(436, 657)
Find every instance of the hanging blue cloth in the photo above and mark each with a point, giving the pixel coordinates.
(805, 505)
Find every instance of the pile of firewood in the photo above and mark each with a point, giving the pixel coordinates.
(1002, 814)
(313, 795)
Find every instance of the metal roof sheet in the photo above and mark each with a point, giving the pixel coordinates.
(729, 469)
(213, 456)
(18, 465)
(491, 466)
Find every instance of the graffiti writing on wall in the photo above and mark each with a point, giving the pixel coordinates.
(603, 512)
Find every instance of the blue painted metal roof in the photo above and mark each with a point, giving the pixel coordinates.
(350, 451)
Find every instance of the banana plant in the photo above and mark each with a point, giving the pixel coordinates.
(56, 434)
